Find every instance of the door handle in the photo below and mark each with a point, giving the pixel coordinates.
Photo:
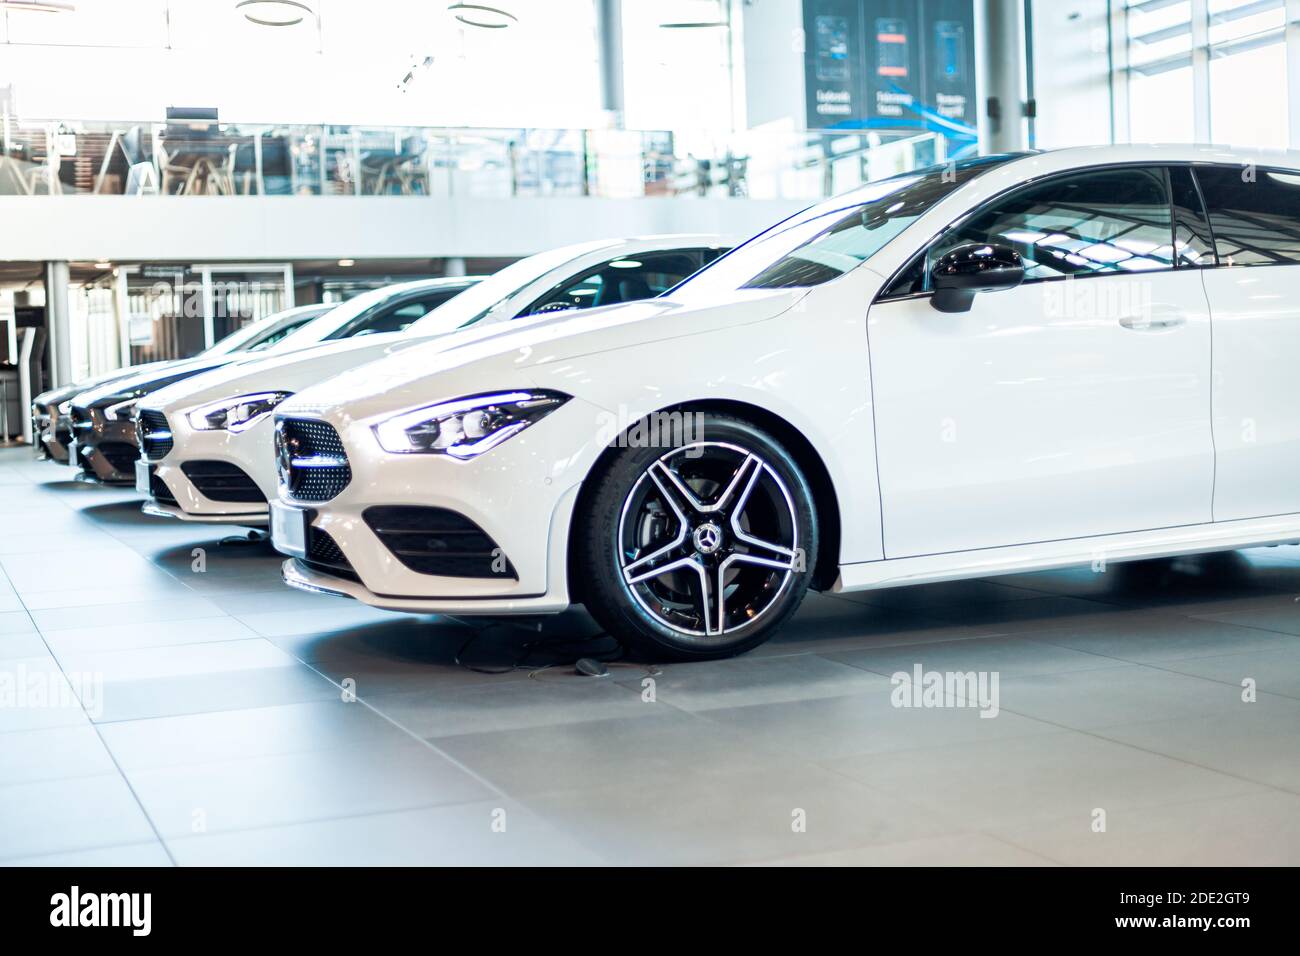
(1156, 320)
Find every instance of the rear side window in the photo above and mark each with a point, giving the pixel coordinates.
(1254, 212)
(1193, 239)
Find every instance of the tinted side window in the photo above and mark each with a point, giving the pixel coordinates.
(1108, 221)
(626, 279)
(280, 333)
(1193, 239)
(1255, 214)
(394, 316)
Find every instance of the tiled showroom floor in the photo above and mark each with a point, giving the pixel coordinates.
(214, 729)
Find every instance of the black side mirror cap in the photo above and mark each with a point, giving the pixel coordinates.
(972, 268)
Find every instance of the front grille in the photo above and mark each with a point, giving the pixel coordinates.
(158, 488)
(438, 541)
(120, 455)
(222, 481)
(81, 422)
(323, 552)
(312, 463)
(154, 433)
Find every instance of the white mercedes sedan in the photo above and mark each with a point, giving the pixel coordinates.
(1003, 364)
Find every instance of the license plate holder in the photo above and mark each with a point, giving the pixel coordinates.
(289, 529)
(143, 477)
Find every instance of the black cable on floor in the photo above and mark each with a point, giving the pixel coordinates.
(561, 647)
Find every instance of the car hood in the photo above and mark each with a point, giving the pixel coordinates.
(281, 373)
(54, 396)
(499, 356)
(147, 380)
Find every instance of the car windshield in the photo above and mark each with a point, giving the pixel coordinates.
(256, 334)
(472, 304)
(829, 239)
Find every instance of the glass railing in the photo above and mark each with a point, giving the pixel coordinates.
(234, 159)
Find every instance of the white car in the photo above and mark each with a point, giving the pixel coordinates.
(54, 426)
(207, 453)
(1000, 365)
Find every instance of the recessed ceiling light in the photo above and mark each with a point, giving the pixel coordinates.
(346, 263)
(482, 15)
(103, 264)
(38, 6)
(274, 13)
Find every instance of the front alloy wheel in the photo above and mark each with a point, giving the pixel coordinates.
(708, 547)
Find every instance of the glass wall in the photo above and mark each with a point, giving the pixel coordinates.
(1210, 71)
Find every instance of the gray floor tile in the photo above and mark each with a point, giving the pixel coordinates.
(1255, 741)
(1131, 693)
(57, 816)
(958, 849)
(626, 751)
(747, 680)
(494, 833)
(248, 732)
(297, 787)
(1008, 656)
(702, 821)
(177, 607)
(205, 693)
(1157, 638)
(55, 753)
(511, 705)
(103, 637)
(1254, 829)
(1007, 783)
(866, 724)
(136, 854)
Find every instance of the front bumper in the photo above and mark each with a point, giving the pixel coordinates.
(521, 494)
(53, 434)
(249, 451)
(105, 450)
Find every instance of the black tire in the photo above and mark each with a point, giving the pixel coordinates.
(627, 522)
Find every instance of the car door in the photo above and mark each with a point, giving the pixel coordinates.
(1255, 302)
(1076, 404)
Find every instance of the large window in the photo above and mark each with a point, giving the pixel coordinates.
(1255, 214)
(1208, 70)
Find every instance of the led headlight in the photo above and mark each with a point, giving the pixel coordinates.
(466, 427)
(234, 414)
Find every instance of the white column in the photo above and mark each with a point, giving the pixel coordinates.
(1000, 72)
(58, 322)
(453, 266)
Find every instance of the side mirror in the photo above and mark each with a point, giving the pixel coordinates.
(971, 268)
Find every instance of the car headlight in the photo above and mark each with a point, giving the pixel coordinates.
(235, 414)
(122, 411)
(466, 427)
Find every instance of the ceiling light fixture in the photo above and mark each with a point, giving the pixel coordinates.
(38, 6)
(274, 13)
(482, 15)
(346, 263)
(103, 264)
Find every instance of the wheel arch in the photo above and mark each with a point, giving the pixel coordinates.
(800, 448)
